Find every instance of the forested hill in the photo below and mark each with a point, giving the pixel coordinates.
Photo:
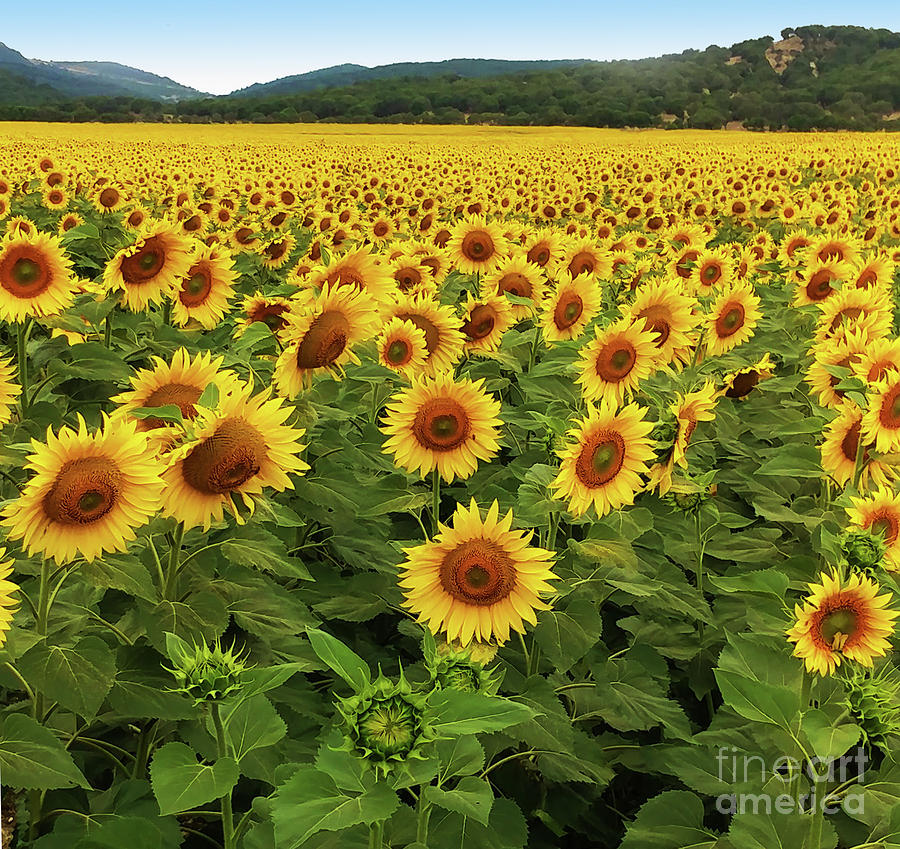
(812, 77)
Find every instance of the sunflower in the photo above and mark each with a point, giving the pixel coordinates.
(9, 390)
(604, 465)
(35, 277)
(873, 273)
(439, 423)
(544, 248)
(150, 269)
(276, 252)
(713, 269)
(484, 321)
(815, 279)
(411, 276)
(361, 270)
(381, 230)
(879, 356)
(108, 198)
(880, 513)
(867, 309)
(583, 256)
(515, 276)
(401, 347)
(273, 312)
(8, 605)
(179, 383)
(846, 352)
(841, 445)
(239, 448)
(476, 246)
(570, 306)
(881, 422)
(666, 312)
(732, 319)
(439, 323)
(68, 222)
(739, 384)
(55, 198)
(615, 361)
(320, 336)
(89, 493)
(206, 288)
(842, 619)
(477, 579)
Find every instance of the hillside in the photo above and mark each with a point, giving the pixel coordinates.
(24, 82)
(344, 75)
(811, 78)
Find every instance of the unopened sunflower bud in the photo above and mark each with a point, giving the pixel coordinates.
(874, 704)
(207, 674)
(457, 668)
(863, 551)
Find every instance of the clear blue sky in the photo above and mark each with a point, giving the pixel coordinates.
(220, 45)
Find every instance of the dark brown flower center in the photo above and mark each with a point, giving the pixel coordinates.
(24, 273)
(481, 322)
(84, 491)
(584, 262)
(146, 263)
(441, 424)
(478, 572)
(730, 320)
(567, 311)
(196, 287)
(477, 246)
(226, 460)
(325, 340)
(399, 352)
(181, 395)
(615, 360)
(601, 458)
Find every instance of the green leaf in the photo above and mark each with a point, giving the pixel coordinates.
(209, 398)
(346, 663)
(254, 547)
(460, 756)
(32, 758)
(120, 572)
(78, 677)
(795, 460)
(672, 820)
(828, 740)
(181, 783)
(309, 802)
(253, 724)
(455, 712)
(506, 829)
(472, 797)
(778, 831)
(566, 635)
(167, 413)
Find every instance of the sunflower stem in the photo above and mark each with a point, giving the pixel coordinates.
(422, 821)
(167, 311)
(376, 835)
(36, 797)
(22, 362)
(701, 547)
(860, 464)
(107, 328)
(534, 347)
(222, 752)
(174, 562)
(435, 501)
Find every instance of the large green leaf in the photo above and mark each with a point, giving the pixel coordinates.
(253, 724)
(472, 797)
(672, 820)
(78, 677)
(334, 654)
(455, 712)
(310, 802)
(180, 782)
(33, 758)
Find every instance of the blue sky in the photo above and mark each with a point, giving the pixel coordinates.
(223, 45)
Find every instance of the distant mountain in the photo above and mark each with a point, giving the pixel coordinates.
(24, 81)
(343, 75)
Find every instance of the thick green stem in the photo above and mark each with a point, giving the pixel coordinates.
(174, 563)
(435, 501)
(145, 741)
(167, 312)
(22, 362)
(701, 545)
(376, 835)
(222, 751)
(534, 347)
(422, 821)
(36, 797)
(551, 533)
(860, 464)
(107, 328)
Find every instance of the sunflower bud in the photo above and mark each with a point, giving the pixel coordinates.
(385, 723)
(664, 433)
(456, 668)
(689, 493)
(874, 703)
(863, 551)
(206, 674)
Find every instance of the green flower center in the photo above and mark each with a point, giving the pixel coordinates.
(388, 727)
(26, 272)
(398, 352)
(840, 622)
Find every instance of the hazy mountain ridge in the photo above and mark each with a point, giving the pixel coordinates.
(84, 79)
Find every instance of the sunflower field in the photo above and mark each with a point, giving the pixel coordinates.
(445, 489)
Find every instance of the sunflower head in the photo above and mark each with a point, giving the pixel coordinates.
(386, 723)
(874, 703)
(453, 667)
(863, 550)
(205, 673)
